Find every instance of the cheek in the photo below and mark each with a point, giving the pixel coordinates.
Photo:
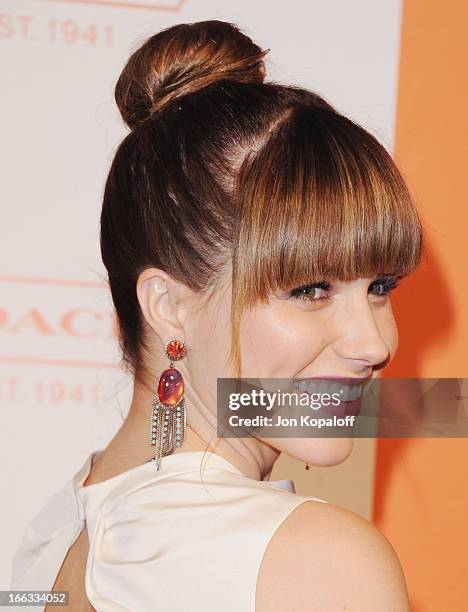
(278, 341)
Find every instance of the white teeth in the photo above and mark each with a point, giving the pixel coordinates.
(347, 393)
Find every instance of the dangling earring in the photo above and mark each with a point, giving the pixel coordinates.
(307, 466)
(168, 418)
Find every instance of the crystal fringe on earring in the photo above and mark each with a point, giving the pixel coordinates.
(168, 418)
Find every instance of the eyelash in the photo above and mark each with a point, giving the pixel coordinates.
(388, 283)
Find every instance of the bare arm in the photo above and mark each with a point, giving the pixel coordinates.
(323, 558)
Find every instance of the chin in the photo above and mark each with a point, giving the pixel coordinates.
(317, 451)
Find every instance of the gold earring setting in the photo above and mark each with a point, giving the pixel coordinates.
(168, 418)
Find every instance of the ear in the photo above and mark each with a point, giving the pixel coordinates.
(162, 302)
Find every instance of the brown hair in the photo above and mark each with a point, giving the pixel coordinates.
(221, 165)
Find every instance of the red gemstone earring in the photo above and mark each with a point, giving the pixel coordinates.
(168, 418)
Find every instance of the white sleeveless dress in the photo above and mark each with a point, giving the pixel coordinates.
(187, 538)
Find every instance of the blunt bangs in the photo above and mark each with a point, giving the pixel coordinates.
(322, 200)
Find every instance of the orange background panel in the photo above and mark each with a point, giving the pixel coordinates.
(421, 492)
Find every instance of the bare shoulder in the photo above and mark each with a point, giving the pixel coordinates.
(328, 559)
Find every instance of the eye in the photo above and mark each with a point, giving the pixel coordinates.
(311, 291)
(308, 293)
(383, 286)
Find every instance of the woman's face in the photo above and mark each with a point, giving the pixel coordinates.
(344, 330)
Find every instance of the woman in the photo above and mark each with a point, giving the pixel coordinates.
(248, 229)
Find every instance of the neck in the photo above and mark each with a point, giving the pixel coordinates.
(129, 447)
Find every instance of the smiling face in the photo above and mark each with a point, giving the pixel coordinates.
(321, 227)
(337, 328)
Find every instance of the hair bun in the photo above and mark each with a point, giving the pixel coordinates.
(183, 59)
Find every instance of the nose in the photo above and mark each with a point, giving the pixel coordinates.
(361, 341)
